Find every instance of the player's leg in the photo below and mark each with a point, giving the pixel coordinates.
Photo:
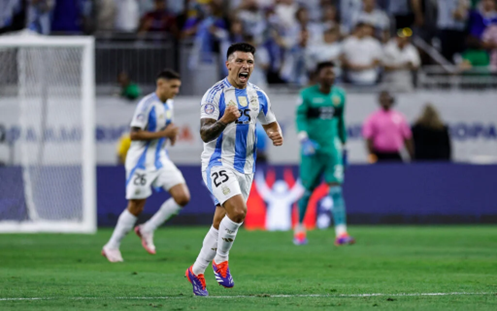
(209, 245)
(125, 223)
(137, 190)
(334, 175)
(195, 273)
(219, 181)
(170, 179)
(310, 176)
(236, 209)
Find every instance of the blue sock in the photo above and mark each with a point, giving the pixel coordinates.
(303, 202)
(338, 211)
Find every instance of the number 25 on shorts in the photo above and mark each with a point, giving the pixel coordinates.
(219, 178)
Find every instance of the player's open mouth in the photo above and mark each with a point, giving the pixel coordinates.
(243, 76)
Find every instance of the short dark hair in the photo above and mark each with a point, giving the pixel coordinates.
(323, 65)
(168, 74)
(241, 47)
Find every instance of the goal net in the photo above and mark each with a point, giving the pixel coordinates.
(47, 104)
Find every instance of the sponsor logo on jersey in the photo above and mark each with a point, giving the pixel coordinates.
(318, 100)
(336, 100)
(209, 108)
(232, 103)
(243, 101)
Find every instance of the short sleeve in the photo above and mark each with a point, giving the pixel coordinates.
(405, 129)
(140, 117)
(414, 57)
(209, 106)
(266, 115)
(378, 50)
(368, 128)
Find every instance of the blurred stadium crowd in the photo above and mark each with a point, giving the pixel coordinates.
(370, 40)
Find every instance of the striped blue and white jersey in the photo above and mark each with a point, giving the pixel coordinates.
(151, 115)
(236, 146)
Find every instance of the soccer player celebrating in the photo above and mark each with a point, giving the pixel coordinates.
(147, 165)
(228, 128)
(321, 130)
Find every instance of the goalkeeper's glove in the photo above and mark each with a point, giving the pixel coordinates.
(309, 147)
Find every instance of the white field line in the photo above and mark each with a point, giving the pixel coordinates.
(256, 296)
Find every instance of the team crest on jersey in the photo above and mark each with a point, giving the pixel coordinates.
(243, 101)
(232, 103)
(336, 100)
(209, 109)
(169, 114)
(226, 190)
(140, 117)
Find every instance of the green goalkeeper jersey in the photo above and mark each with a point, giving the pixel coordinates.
(321, 116)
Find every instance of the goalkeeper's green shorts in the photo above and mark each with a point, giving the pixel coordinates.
(327, 165)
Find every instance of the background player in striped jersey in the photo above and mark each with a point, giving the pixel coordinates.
(228, 128)
(147, 165)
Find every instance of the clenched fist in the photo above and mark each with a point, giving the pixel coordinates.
(231, 114)
(171, 131)
(276, 137)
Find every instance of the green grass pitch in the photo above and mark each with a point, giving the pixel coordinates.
(403, 264)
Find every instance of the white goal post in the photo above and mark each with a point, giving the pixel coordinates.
(47, 91)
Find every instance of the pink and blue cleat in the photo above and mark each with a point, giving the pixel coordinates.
(222, 274)
(344, 239)
(198, 282)
(300, 238)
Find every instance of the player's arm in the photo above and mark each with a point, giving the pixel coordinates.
(301, 118)
(268, 120)
(139, 124)
(210, 129)
(368, 134)
(273, 131)
(139, 134)
(309, 146)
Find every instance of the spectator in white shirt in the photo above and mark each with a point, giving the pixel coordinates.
(361, 56)
(285, 11)
(294, 68)
(253, 19)
(329, 18)
(127, 15)
(315, 30)
(329, 50)
(400, 58)
(372, 15)
(348, 8)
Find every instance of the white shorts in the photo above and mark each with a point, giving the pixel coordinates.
(224, 183)
(139, 182)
